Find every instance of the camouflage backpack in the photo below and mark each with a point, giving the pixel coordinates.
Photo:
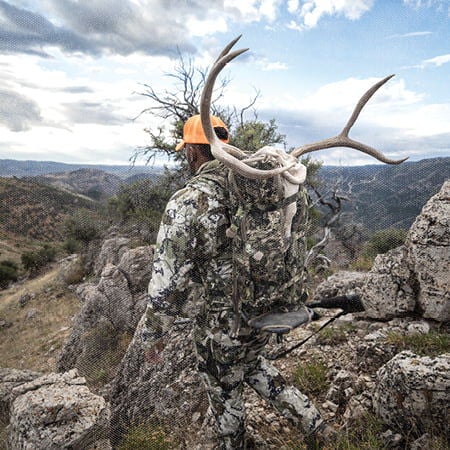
(267, 267)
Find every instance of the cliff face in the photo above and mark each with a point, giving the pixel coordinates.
(367, 370)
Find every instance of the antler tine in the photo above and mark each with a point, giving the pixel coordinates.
(362, 102)
(342, 139)
(228, 47)
(223, 152)
(205, 101)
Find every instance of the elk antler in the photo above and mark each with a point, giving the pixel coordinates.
(238, 160)
(342, 139)
(226, 153)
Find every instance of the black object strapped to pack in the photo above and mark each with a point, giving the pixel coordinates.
(282, 322)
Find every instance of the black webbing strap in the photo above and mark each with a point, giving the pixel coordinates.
(281, 204)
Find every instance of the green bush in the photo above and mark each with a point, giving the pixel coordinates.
(142, 203)
(384, 240)
(363, 434)
(84, 225)
(35, 259)
(71, 246)
(8, 272)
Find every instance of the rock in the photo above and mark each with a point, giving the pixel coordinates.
(33, 313)
(357, 408)
(413, 392)
(340, 283)
(5, 324)
(71, 270)
(136, 264)
(158, 382)
(111, 252)
(57, 411)
(421, 327)
(423, 442)
(24, 299)
(387, 292)
(108, 308)
(411, 278)
(391, 439)
(428, 245)
(9, 379)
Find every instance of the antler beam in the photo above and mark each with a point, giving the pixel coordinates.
(342, 139)
(226, 153)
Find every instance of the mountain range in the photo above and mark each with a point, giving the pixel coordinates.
(379, 196)
(12, 167)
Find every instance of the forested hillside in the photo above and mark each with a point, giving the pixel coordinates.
(381, 196)
(36, 211)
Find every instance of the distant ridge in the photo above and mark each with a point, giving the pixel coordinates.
(15, 168)
(382, 196)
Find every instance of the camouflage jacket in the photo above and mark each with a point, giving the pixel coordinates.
(192, 247)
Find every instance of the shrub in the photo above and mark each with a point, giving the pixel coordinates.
(84, 225)
(34, 260)
(71, 246)
(384, 240)
(8, 272)
(334, 335)
(363, 434)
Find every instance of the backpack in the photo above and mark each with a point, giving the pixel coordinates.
(268, 268)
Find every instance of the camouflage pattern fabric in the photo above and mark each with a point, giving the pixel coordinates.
(193, 247)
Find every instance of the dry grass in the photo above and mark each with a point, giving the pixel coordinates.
(33, 342)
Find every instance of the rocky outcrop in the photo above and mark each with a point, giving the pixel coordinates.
(111, 307)
(10, 379)
(111, 252)
(158, 381)
(428, 243)
(412, 393)
(57, 411)
(411, 279)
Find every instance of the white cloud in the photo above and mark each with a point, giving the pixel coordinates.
(396, 120)
(417, 4)
(311, 11)
(274, 66)
(253, 10)
(437, 61)
(84, 117)
(412, 34)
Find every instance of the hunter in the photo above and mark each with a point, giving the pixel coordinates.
(193, 246)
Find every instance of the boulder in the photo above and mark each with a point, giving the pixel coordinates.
(136, 265)
(412, 393)
(388, 291)
(340, 283)
(71, 270)
(108, 305)
(410, 279)
(9, 379)
(56, 411)
(110, 253)
(428, 244)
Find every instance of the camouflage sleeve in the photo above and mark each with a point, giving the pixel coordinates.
(174, 254)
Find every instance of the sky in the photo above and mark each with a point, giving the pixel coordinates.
(72, 72)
